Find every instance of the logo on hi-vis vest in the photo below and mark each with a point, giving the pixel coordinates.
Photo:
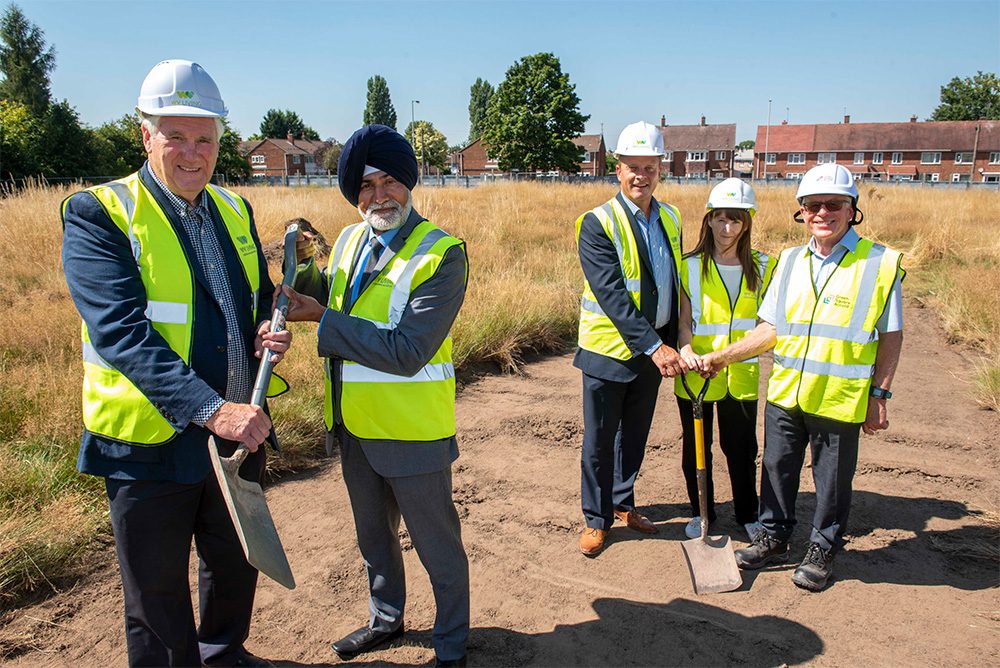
(840, 301)
(246, 245)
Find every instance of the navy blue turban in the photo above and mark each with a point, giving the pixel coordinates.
(381, 147)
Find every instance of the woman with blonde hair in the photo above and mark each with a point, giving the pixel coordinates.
(723, 281)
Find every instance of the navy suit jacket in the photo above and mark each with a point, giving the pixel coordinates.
(109, 294)
(603, 271)
(404, 350)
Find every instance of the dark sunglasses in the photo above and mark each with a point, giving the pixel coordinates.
(831, 206)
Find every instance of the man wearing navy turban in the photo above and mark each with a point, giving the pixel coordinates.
(392, 289)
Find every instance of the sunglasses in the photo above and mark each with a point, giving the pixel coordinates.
(831, 206)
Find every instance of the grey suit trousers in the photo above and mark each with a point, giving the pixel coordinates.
(425, 503)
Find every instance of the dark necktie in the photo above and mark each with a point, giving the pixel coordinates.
(373, 256)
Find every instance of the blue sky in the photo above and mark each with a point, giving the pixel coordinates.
(883, 61)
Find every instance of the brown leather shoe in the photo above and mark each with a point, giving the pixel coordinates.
(636, 521)
(592, 541)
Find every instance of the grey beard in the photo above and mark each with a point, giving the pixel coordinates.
(383, 222)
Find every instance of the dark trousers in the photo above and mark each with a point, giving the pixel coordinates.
(738, 439)
(426, 505)
(616, 420)
(834, 447)
(153, 522)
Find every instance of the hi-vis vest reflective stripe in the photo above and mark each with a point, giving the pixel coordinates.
(597, 333)
(112, 405)
(375, 405)
(715, 324)
(827, 343)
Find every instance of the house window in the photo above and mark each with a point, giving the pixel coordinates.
(772, 158)
(963, 158)
(793, 175)
(796, 158)
(257, 159)
(933, 158)
(897, 158)
(697, 156)
(859, 158)
(720, 155)
(826, 158)
(877, 158)
(297, 159)
(931, 177)
(995, 158)
(669, 157)
(310, 159)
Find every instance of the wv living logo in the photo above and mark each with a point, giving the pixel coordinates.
(185, 97)
(839, 301)
(246, 245)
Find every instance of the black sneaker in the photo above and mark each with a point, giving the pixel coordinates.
(762, 551)
(815, 569)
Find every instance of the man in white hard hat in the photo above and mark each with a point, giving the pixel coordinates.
(630, 251)
(170, 280)
(833, 314)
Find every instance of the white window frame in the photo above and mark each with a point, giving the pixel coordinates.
(826, 159)
(697, 156)
(897, 158)
(963, 158)
(669, 156)
(720, 155)
(297, 159)
(793, 175)
(995, 158)
(772, 158)
(933, 158)
(257, 160)
(859, 158)
(955, 178)
(310, 159)
(877, 158)
(796, 159)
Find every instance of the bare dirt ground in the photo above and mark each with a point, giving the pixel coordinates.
(906, 591)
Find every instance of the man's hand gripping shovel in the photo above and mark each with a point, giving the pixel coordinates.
(245, 499)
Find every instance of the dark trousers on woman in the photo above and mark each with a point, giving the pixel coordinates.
(738, 439)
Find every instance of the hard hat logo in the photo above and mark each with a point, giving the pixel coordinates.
(185, 93)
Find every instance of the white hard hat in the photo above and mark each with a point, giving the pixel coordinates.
(640, 139)
(828, 180)
(732, 194)
(180, 88)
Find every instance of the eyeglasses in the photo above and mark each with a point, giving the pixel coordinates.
(831, 205)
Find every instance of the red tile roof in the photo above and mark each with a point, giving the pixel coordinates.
(699, 137)
(922, 136)
(589, 142)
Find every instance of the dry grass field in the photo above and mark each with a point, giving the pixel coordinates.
(523, 296)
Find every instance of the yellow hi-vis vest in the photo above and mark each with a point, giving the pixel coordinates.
(376, 405)
(825, 354)
(597, 332)
(715, 324)
(112, 406)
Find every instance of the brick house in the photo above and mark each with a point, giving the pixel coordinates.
(698, 151)
(284, 157)
(743, 164)
(956, 151)
(473, 161)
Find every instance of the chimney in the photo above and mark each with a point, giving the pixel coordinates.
(702, 121)
(784, 122)
(847, 118)
(913, 118)
(663, 121)
(291, 137)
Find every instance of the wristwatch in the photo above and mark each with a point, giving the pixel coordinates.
(879, 393)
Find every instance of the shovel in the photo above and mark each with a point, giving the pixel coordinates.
(245, 499)
(710, 559)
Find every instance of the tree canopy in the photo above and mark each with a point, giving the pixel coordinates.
(745, 144)
(427, 140)
(277, 124)
(970, 99)
(533, 116)
(479, 101)
(379, 108)
(231, 162)
(25, 62)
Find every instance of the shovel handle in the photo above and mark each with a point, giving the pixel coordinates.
(697, 401)
(277, 319)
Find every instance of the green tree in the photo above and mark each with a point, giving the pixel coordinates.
(19, 131)
(233, 164)
(331, 154)
(119, 145)
(277, 124)
(610, 162)
(532, 117)
(970, 99)
(379, 108)
(427, 141)
(479, 101)
(745, 144)
(66, 148)
(25, 62)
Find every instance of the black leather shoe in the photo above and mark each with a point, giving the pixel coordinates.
(815, 569)
(763, 550)
(247, 660)
(460, 662)
(363, 640)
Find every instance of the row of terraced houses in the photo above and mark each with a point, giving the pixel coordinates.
(955, 151)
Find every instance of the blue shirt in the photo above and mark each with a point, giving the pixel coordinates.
(659, 257)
